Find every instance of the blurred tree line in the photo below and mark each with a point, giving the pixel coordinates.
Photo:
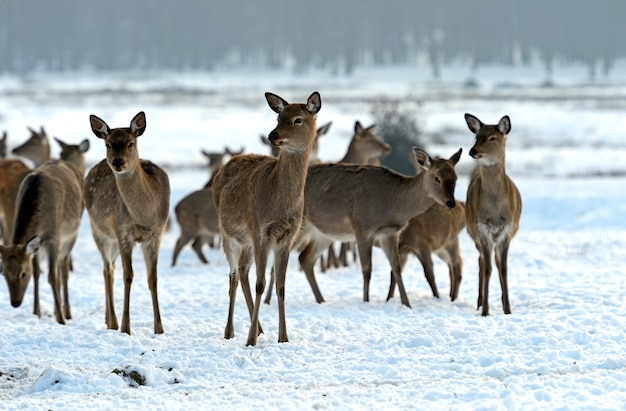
(339, 35)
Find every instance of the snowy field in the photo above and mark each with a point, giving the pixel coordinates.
(563, 347)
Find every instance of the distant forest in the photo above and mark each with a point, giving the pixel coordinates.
(336, 35)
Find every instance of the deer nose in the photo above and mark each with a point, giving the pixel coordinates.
(15, 303)
(117, 162)
(473, 152)
(273, 136)
(451, 204)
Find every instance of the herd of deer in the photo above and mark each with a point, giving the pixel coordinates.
(255, 204)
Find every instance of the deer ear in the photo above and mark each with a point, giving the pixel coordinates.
(99, 127)
(473, 123)
(61, 143)
(504, 125)
(83, 146)
(138, 124)
(358, 128)
(422, 158)
(456, 156)
(314, 103)
(277, 104)
(324, 129)
(32, 246)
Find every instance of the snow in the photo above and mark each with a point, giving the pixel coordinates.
(563, 347)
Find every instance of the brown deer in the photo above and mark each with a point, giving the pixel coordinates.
(493, 206)
(260, 200)
(370, 204)
(127, 199)
(13, 172)
(436, 231)
(49, 207)
(74, 153)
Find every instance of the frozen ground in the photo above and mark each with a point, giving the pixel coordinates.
(564, 346)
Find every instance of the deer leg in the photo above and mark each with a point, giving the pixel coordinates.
(392, 282)
(36, 273)
(268, 293)
(65, 274)
(364, 246)
(127, 267)
(151, 257)
(281, 258)
(180, 243)
(332, 257)
(426, 259)
(485, 275)
(197, 247)
(261, 251)
(390, 248)
(232, 254)
(53, 280)
(245, 261)
(307, 260)
(502, 251)
(455, 266)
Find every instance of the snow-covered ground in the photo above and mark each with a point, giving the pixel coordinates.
(563, 347)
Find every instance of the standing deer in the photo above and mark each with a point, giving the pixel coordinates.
(49, 207)
(493, 206)
(127, 199)
(435, 231)
(13, 172)
(370, 204)
(260, 201)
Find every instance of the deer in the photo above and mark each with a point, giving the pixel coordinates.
(436, 231)
(369, 204)
(260, 203)
(493, 206)
(13, 171)
(49, 207)
(127, 200)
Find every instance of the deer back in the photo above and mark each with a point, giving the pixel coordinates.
(196, 213)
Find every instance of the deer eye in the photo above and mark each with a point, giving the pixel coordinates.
(297, 121)
(437, 180)
(492, 139)
(108, 146)
(131, 145)
(23, 275)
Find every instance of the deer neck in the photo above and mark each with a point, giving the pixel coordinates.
(137, 194)
(290, 172)
(491, 175)
(411, 198)
(353, 156)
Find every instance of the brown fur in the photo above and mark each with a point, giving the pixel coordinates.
(260, 200)
(127, 199)
(493, 206)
